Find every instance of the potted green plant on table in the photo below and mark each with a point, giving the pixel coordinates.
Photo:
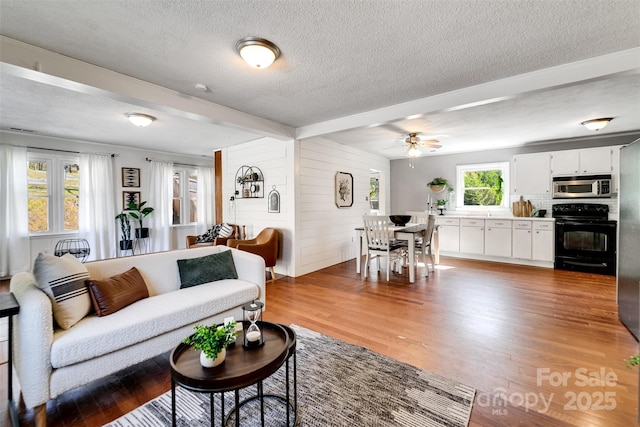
(126, 243)
(212, 341)
(139, 212)
(438, 184)
(441, 205)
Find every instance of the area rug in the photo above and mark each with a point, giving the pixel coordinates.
(339, 384)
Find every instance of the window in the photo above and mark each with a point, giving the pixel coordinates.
(482, 186)
(185, 202)
(374, 191)
(53, 188)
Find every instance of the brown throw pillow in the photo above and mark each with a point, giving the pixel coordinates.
(117, 292)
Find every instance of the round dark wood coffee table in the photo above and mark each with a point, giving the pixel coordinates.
(241, 368)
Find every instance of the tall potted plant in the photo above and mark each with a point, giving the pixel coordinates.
(139, 212)
(126, 243)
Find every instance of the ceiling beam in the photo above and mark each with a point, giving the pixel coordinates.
(37, 64)
(627, 61)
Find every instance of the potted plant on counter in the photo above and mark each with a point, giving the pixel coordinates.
(126, 244)
(139, 212)
(437, 185)
(441, 205)
(212, 341)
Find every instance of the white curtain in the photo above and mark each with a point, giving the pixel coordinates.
(97, 205)
(161, 199)
(15, 250)
(205, 199)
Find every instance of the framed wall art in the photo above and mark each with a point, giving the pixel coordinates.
(130, 177)
(129, 197)
(274, 200)
(344, 190)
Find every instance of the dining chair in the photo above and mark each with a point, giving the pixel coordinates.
(423, 243)
(380, 242)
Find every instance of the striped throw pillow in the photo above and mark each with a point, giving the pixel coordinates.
(62, 279)
(226, 230)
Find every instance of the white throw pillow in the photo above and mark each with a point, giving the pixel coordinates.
(62, 279)
(226, 230)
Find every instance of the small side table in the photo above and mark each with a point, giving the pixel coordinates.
(8, 308)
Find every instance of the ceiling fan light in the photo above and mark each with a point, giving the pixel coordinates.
(139, 119)
(257, 52)
(596, 124)
(413, 151)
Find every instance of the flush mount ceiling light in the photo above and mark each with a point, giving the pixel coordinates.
(597, 124)
(257, 52)
(139, 119)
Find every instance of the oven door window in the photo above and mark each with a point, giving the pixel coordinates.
(589, 241)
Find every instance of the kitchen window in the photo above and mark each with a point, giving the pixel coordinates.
(185, 203)
(53, 188)
(482, 186)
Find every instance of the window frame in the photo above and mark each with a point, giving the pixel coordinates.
(185, 206)
(504, 167)
(55, 190)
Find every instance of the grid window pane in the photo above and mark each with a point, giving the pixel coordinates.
(176, 184)
(176, 211)
(38, 214)
(71, 196)
(193, 198)
(38, 196)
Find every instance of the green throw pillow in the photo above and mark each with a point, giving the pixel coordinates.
(196, 271)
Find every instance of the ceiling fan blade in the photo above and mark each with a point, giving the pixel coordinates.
(393, 128)
(432, 145)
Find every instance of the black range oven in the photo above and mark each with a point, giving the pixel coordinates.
(585, 240)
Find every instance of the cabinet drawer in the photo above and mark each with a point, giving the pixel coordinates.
(543, 225)
(447, 221)
(472, 222)
(522, 225)
(497, 223)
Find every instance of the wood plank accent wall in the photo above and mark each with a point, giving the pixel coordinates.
(325, 233)
(275, 158)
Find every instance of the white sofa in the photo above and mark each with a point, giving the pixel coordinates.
(50, 361)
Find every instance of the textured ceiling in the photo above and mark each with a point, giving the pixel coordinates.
(339, 58)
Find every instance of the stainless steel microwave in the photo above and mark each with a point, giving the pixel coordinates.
(585, 186)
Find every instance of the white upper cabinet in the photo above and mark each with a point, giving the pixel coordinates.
(531, 174)
(579, 162)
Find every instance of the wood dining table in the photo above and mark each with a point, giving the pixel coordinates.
(408, 233)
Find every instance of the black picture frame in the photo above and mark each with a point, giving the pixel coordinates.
(130, 197)
(344, 190)
(273, 201)
(131, 177)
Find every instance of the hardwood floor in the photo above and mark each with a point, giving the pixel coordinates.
(509, 331)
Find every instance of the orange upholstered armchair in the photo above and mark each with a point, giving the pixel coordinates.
(264, 244)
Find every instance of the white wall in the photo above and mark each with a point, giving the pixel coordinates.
(125, 157)
(325, 234)
(409, 185)
(276, 160)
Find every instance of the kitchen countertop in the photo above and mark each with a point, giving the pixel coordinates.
(505, 217)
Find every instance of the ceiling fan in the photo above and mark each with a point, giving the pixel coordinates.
(414, 143)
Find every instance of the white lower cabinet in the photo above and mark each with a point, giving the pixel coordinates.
(543, 236)
(449, 234)
(522, 239)
(472, 236)
(497, 238)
